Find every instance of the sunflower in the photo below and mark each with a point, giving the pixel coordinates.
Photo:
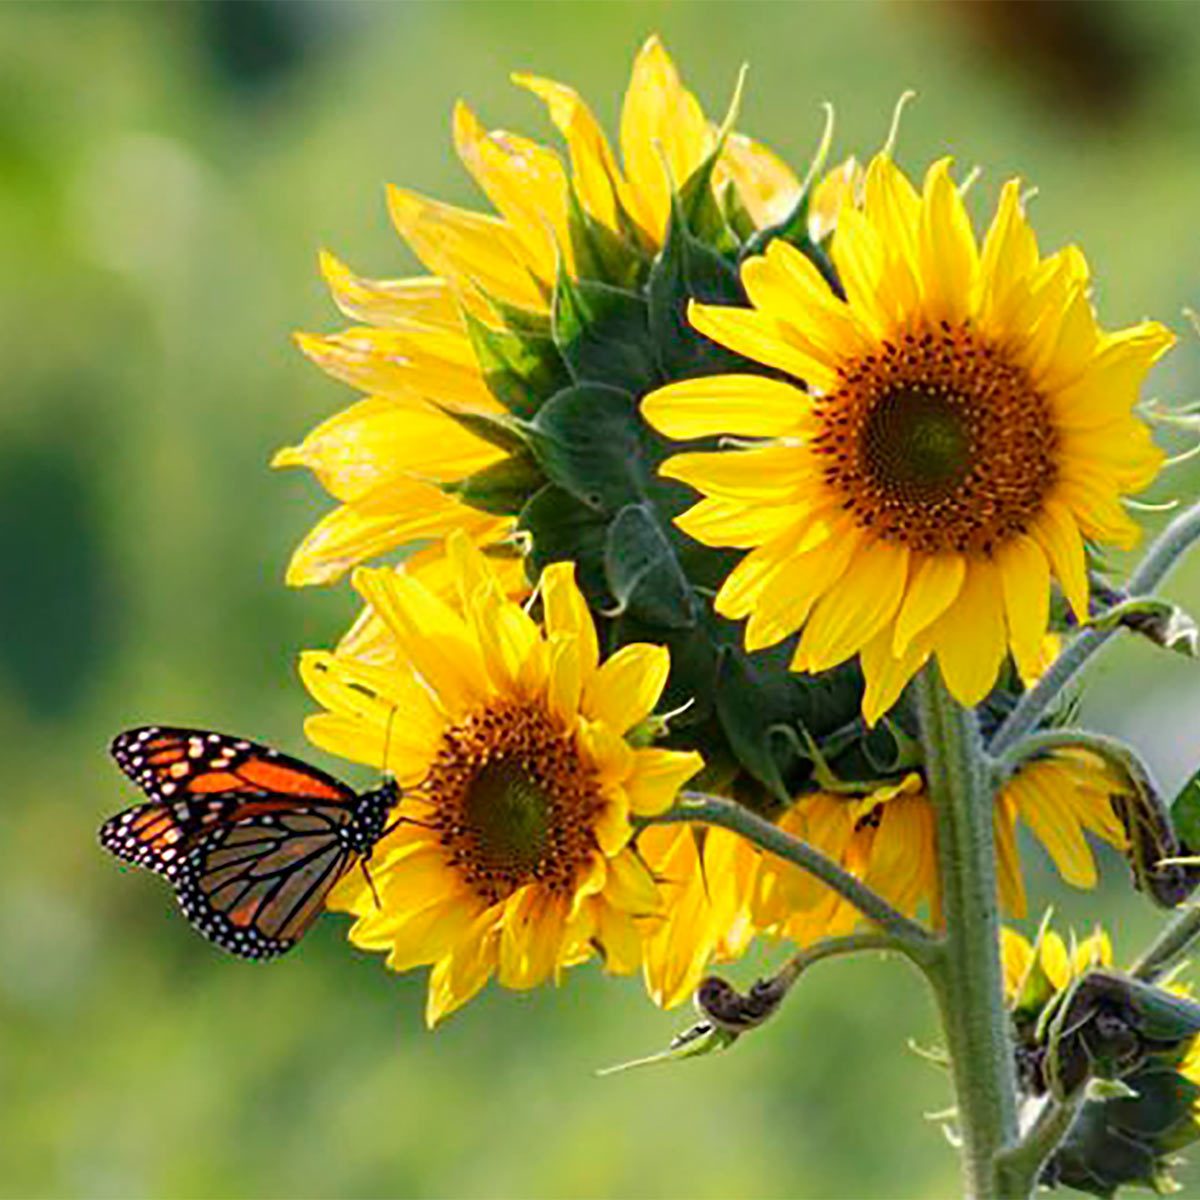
(510, 853)
(955, 429)
(886, 838)
(395, 459)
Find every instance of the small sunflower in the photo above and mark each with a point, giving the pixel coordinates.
(886, 837)
(512, 854)
(393, 459)
(956, 431)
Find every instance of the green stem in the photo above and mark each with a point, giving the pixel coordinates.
(833, 947)
(910, 936)
(1165, 551)
(967, 978)
(1019, 1167)
(1110, 748)
(1172, 943)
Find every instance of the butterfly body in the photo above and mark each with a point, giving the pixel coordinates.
(252, 841)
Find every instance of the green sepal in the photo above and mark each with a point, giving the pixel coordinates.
(701, 209)
(600, 254)
(1127, 1141)
(603, 334)
(520, 369)
(587, 440)
(566, 530)
(737, 215)
(703, 1038)
(497, 429)
(523, 321)
(643, 572)
(772, 717)
(687, 270)
(1185, 814)
(503, 488)
(793, 229)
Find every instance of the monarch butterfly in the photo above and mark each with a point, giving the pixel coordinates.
(251, 840)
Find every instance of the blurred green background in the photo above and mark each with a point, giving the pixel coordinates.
(167, 174)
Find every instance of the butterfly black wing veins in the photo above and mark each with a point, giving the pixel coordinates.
(251, 840)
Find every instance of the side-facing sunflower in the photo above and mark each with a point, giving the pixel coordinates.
(886, 837)
(956, 430)
(1133, 1135)
(397, 459)
(511, 853)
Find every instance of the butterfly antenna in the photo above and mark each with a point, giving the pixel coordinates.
(387, 742)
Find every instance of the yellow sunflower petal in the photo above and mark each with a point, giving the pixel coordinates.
(474, 252)
(627, 686)
(1058, 535)
(657, 777)
(1054, 825)
(970, 637)
(423, 302)
(946, 246)
(1025, 579)
(664, 138)
(934, 585)
(428, 632)
(854, 608)
(592, 164)
(567, 613)
(749, 405)
(527, 185)
(760, 337)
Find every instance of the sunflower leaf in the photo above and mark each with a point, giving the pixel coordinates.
(587, 441)
(504, 487)
(603, 334)
(643, 572)
(701, 1039)
(520, 369)
(686, 270)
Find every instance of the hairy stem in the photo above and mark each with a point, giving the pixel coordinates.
(1110, 748)
(967, 978)
(833, 947)
(1165, 551)
(909, 935)
(1018, 1168)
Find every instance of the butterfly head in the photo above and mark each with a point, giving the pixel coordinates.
(371, 812)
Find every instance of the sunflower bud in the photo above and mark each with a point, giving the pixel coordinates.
(1126, 1051)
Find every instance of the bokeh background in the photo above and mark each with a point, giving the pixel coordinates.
(167, 175)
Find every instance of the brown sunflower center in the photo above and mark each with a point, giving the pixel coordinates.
(939, 442)
(512, 801)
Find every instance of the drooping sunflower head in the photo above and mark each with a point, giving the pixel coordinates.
(886, 836)
(512, 855)
(957, 430)
(1072, 1012)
